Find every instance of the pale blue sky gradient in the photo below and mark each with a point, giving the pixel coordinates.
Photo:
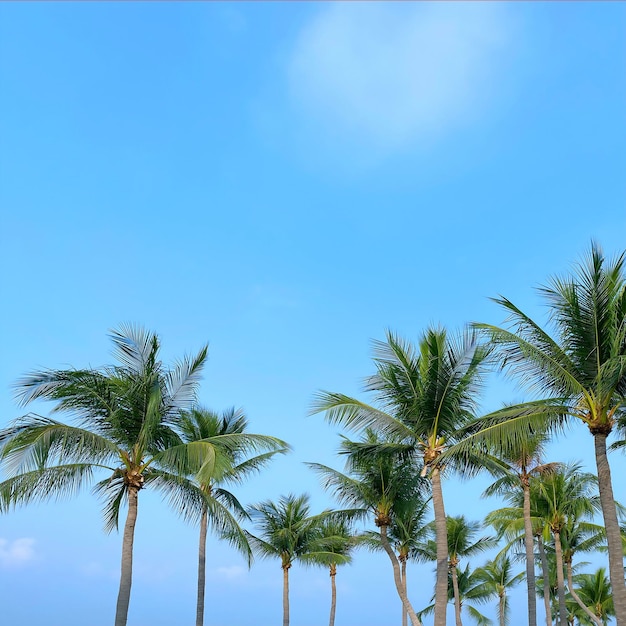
(285, 181)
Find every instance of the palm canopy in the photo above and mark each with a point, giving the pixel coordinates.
(462, 539)
(230, 455)
(584, 367)
(376, 480)
(472, 592)
(124, 424)
(595, 592)
(288, 531)
(422, 394)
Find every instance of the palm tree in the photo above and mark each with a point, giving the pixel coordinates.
(219, 506)
(595, 591)
(497, 576)
(523, 458)
(289, 532)
(510, 523)
(471, 590)
(125, 415)
(580, 371)
(382, 484)
(337, 541)
(580, 536)
(566, 496)
(407, 533)
(424, 394)
(462, 542)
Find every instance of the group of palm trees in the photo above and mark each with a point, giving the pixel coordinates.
(138, 424)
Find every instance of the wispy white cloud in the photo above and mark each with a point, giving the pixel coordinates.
(230, 573)
(17, 552)
(394, 74)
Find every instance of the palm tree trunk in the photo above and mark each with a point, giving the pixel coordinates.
(613, 536)
(502, 607)
(397, 577)
(286, 595)
(572, 592)
(457, 597)
(333, 594)
(201, 569)
(123, 596)
(403, 576)
(530, 556)
(560, 582)
(546, 581)
(441, 585)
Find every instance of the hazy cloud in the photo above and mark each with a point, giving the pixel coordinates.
(17, 552)
(396, 73)
(232, 572)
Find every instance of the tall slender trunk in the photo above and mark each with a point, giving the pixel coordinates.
(546, 581)
(286, 595)
(333, 594)
(560, 582)
(403, 576)
(123, 596)
(201, 569)
(397, 577)
(572, 592)
(530, 556)
(457, 596)
(611, 526)
(441, 585)
(502, 607)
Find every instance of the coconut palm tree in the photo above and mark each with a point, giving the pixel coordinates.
(407, 533)
(496, 576)
(219, 507)
(289, 532)
(337, 541)
(423, 395)
(472, 591)
(510, 523)
(580, 371)
(523, 458)
(462, 542)
(381, 484)
(125, 415)
(566, 495)
(579, 536)
(594, 591)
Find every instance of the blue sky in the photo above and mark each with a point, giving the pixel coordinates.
(284, 181)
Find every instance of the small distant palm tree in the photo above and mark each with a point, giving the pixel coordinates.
(407, 533)
(219, 507)
(462, 542)
(289, 532)
(383, 485)
(523, 458)
(566, 495)
(336, 543)
(595, 592)
(472, 592)
(579, 536)
(496, 576)
(125, 427)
